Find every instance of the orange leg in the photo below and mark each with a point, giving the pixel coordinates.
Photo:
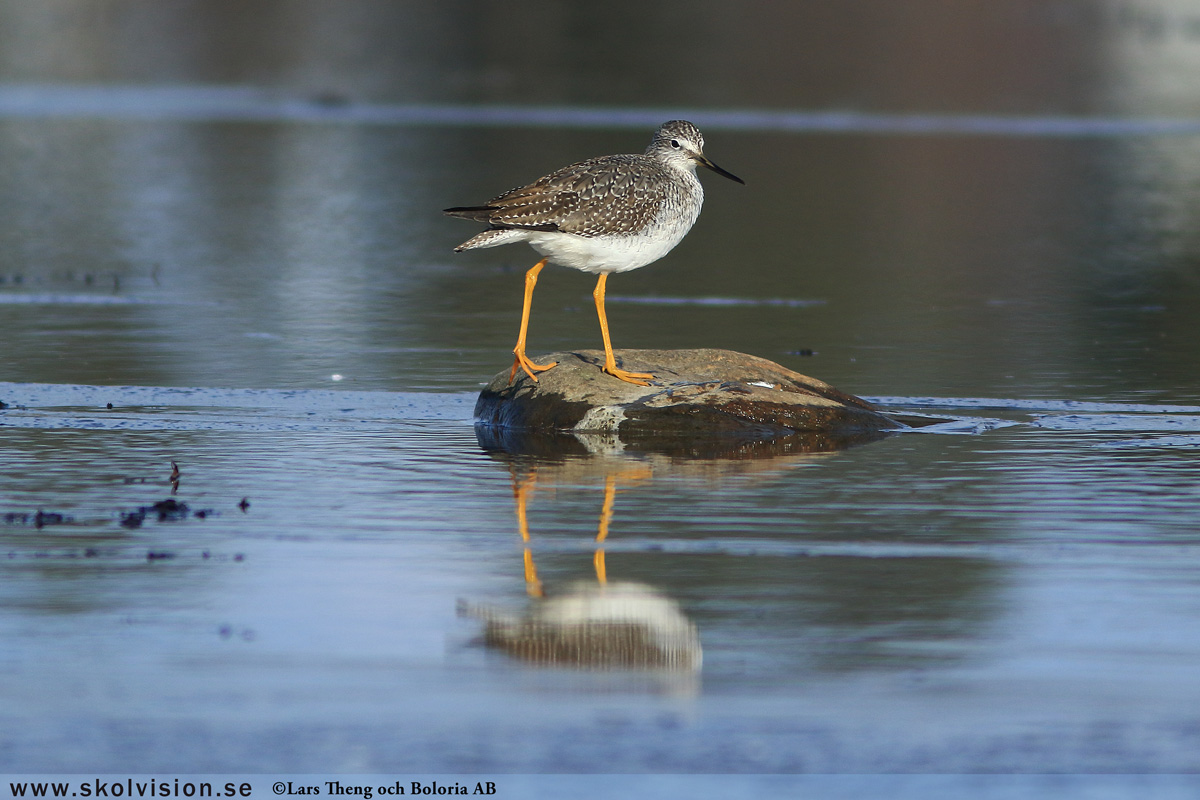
(519, 351)
(606, 513)
(610, 362)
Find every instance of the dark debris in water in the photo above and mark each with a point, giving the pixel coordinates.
(39, 520)
(119, 554)
(245, 634)
(169, 510)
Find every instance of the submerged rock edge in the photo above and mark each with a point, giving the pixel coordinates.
(696, 393)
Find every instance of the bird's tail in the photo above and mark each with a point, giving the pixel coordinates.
(492, 237)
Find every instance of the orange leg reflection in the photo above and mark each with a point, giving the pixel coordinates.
(521, 492)
(523, 488)
(606, 512)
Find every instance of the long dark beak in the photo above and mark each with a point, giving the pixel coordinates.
(705, 162)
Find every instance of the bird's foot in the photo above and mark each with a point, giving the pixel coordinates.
(629, 377)
(530, 367)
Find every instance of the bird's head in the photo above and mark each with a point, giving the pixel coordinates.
(680, 142)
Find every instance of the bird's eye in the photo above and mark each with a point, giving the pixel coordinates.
(675, 143)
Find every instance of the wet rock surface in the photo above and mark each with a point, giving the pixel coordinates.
(695, 393)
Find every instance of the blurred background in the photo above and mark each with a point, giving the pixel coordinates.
(248, 194)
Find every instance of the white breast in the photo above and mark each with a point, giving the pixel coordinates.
(620, 253)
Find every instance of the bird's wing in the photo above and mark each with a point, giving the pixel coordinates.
(613, 194)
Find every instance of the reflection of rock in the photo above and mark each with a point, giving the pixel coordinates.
(617, 625)
(696, 393)
(730, 448)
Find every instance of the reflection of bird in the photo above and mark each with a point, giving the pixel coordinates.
(523, 487)
(605, 625)
(614, 626)
(608, 623)
(603, 215)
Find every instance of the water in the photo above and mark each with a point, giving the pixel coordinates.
(240, 249)
(1034, 582)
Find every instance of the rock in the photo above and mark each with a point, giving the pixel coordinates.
(695, 393)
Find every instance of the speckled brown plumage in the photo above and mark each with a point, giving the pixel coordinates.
(610, 195)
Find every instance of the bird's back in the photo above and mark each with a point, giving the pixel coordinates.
(618, 195)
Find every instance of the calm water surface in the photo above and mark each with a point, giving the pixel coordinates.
(274, 305)
(1022, 598)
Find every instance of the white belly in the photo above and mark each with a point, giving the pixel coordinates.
(612, 253)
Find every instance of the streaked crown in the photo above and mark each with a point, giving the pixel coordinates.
(676, 138)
